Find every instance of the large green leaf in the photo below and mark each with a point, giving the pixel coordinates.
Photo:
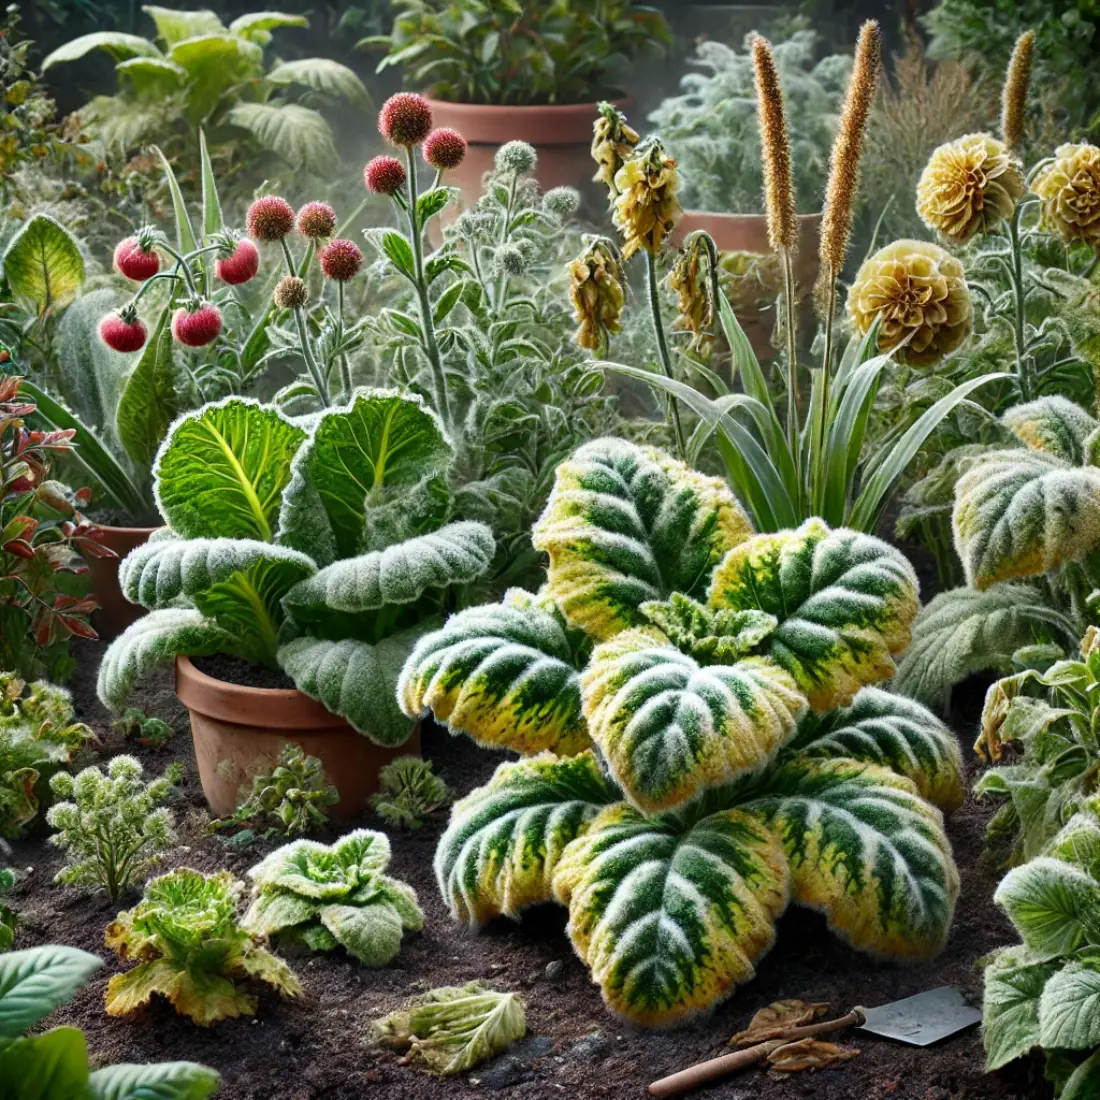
(505, 839)
(845, 602)
(118, 45)
(1069, 1011)
(159, 1081)
(223, 469)
(322, 74)
(1054, 906)
(149, 401)
(37, 980)
(1053, 425)
(893, 732)
(1023, 513)
(506, 674)
(670, 728)
(175, 26)
(670, 916)
(150, 79)
(297, 134)
(1010, 1011)
(257, 26)
(626, 524)
(867, 851)
(215, 63)
(43, 264)
(383, 440)
(53, 1066)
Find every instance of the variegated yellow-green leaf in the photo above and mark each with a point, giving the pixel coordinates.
(505, 839)
(626, 524)
(43, 264)
(893, 732)
(1023, 513)
(670, 728)
(1053, 425)
(670, 915)
(867, 851)
(506, 674)
(845, 602)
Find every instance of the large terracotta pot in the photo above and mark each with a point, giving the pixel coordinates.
(561, 135)
(240, 731)
(115, 612)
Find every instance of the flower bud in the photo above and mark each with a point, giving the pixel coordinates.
(444, 149)
(405, 119)
(516, 157)
(270, 218)
(291, 292)
(384, 176)
(341, 260)
(317, 221)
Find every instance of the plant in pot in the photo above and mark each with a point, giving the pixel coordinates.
(308, 557)
(501, 71)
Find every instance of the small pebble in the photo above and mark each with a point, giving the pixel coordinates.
(555, 970)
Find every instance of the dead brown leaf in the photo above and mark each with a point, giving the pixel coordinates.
(777, 1019)
(811, 1054)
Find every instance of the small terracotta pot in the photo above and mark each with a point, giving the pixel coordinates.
(561, 135)
(115, 612)
(239, 732)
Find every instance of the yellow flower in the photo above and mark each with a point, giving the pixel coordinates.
(597, 294)
(921, 292)
(1070, 189)
(613, 141)
(968, 186)
(646, 209)
(694, 312)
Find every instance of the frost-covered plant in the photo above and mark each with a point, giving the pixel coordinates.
(711, 128)
(455, 1027)
(113, 827)
(54, 1064)
(329, 896)
(321, 550)
(703, 744)
(8, 917)
(408, 792)
(1042, 992)
(191, 949)
(293, 798)
(147, 730)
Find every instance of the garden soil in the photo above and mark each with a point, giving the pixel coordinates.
(314, 1048)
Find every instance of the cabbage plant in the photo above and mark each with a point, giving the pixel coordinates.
(318, 547)
(702, 742)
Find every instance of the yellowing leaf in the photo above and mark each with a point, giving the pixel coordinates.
(777, 1019)
(811, 1054)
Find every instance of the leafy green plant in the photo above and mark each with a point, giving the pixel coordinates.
(53, 1064)
(711, 127)
(197, 74)
(322, 551)
(113, 827)
(502, 51)
(1041, 993)
(455, 1027)
(329, 896)
(704, 748)
(150, 732)
(37, 737)
(408, 792)
(293, 798)
(9, 919)
(191, 949)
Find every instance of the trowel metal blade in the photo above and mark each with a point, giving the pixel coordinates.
(923, 1019)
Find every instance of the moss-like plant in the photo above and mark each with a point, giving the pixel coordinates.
(191, 949)
(704, 748)
(114, 826)
(327, 896)
(408, 792)
(147, 730)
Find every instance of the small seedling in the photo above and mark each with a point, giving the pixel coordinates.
(409, 792)
(150, 732)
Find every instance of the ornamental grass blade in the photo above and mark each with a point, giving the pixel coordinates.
(185, 234)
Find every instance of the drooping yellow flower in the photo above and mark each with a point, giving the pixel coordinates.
(694, 309)
(597, 294)
(968, 186)
(920, 290)
(613, 141)
(647, 209)
(1070, 190)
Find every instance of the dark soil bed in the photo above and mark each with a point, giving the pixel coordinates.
(313, 1048)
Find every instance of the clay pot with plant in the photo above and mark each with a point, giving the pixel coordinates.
(497, 72)
(299, 567)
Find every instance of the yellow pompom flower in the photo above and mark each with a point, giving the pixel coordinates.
(597, 294)
(647, 209)
(968, 186)
(921, 293)
(1070, 191)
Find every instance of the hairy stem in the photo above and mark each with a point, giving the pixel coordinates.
(662, 348)
(312, 365)
(1023, 372)
(793, 400)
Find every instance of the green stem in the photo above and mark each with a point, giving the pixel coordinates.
(505, 226)
(1023, 373)
(312, 365)
(821, 410)
(662, 348)
(345, 367)
(793, 426)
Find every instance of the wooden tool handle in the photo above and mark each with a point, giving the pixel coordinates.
(705, 1072)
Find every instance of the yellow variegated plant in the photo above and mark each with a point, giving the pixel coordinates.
(703, 744)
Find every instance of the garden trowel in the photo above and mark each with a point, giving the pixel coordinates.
(919, 1021)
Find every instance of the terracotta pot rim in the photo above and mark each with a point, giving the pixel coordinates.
(263, 708)
(540, 124)
(147, 531)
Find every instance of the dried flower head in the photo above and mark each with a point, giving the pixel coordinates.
(771, 114)
(694, 308)
(270, 219)
(647, 209)
(1069, 188)
(968, 186)
(384, 176)
(921, 294)
(1014, 95)
(290, 292)
(516, 157)
(405, 119)
(341, 260)
(596, 293)
(445, 149)
(317, 221)
(613, 143)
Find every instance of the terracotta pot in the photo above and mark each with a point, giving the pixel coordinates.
(561, 135)
(115, 612)
(240, 731)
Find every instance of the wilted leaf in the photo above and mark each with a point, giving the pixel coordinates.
(811, 1054)
(777, 1019)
